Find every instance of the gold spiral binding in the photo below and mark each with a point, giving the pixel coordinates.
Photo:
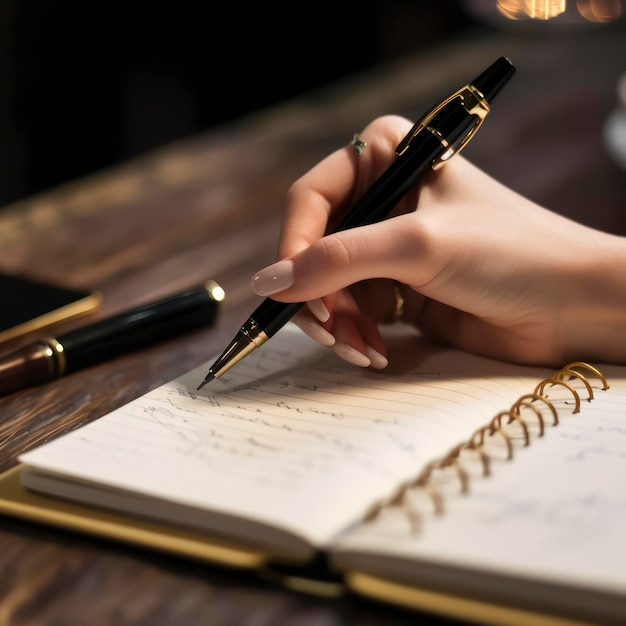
(527, 400)
(536, 404)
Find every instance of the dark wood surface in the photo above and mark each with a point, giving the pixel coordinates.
(209, 207)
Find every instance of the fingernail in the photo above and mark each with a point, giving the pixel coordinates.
(377, 360)
(318, 308)
(350, 354)
(273, 278)
(311, 328)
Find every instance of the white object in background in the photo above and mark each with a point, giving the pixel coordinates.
(615, 126)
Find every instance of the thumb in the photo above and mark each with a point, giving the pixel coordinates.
(336, 261)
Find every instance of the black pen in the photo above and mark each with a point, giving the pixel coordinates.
(53, 357)
(442, 132)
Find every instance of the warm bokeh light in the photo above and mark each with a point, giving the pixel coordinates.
(534, 9)
(513, 9)
(599, 10)
(590, 10)
(544, 9)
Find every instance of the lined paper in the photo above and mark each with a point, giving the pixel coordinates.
(292, 436)
(551, 520)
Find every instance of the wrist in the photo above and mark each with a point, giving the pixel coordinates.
(596, 324)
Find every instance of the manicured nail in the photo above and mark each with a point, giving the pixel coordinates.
(350, 354)
(318, 308)
(377, 360)
(311, 328)
(273, 278)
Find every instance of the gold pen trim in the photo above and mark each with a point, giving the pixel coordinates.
(55, 352)
(250, 337)
(472, 100)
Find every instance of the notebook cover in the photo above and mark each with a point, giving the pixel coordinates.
(448, 605)
(17, 501)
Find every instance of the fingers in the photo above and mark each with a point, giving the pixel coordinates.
(390, 249)
(322, 196)
(354, 337)
(316, 202)
(358, 340)
(312, 327)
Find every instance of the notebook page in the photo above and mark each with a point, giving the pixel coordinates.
(291, 436)
(547, 526)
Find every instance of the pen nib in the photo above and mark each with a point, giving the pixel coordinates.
(206, 381)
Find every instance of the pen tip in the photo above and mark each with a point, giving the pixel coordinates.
(206, 381)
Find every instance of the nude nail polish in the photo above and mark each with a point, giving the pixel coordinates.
(273, 278)
(377, 360)
(319, 310)
(312, 329)
(350, 354)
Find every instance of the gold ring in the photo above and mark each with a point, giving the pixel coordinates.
(399, 310)
(358, 144)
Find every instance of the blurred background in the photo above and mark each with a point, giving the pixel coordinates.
(85, 85)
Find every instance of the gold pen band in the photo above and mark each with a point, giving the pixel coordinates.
(56, 354)
(250, 337)
(472, 100)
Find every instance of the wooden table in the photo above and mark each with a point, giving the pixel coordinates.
(209, 207)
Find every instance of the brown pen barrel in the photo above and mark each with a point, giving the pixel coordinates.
(31, 365)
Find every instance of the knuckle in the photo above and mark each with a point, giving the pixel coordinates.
(337, 251)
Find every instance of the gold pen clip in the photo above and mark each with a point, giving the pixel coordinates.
(472, 101)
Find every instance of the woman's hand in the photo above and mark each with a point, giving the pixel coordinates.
(477, 265)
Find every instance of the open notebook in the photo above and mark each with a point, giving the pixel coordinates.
(443, 483)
